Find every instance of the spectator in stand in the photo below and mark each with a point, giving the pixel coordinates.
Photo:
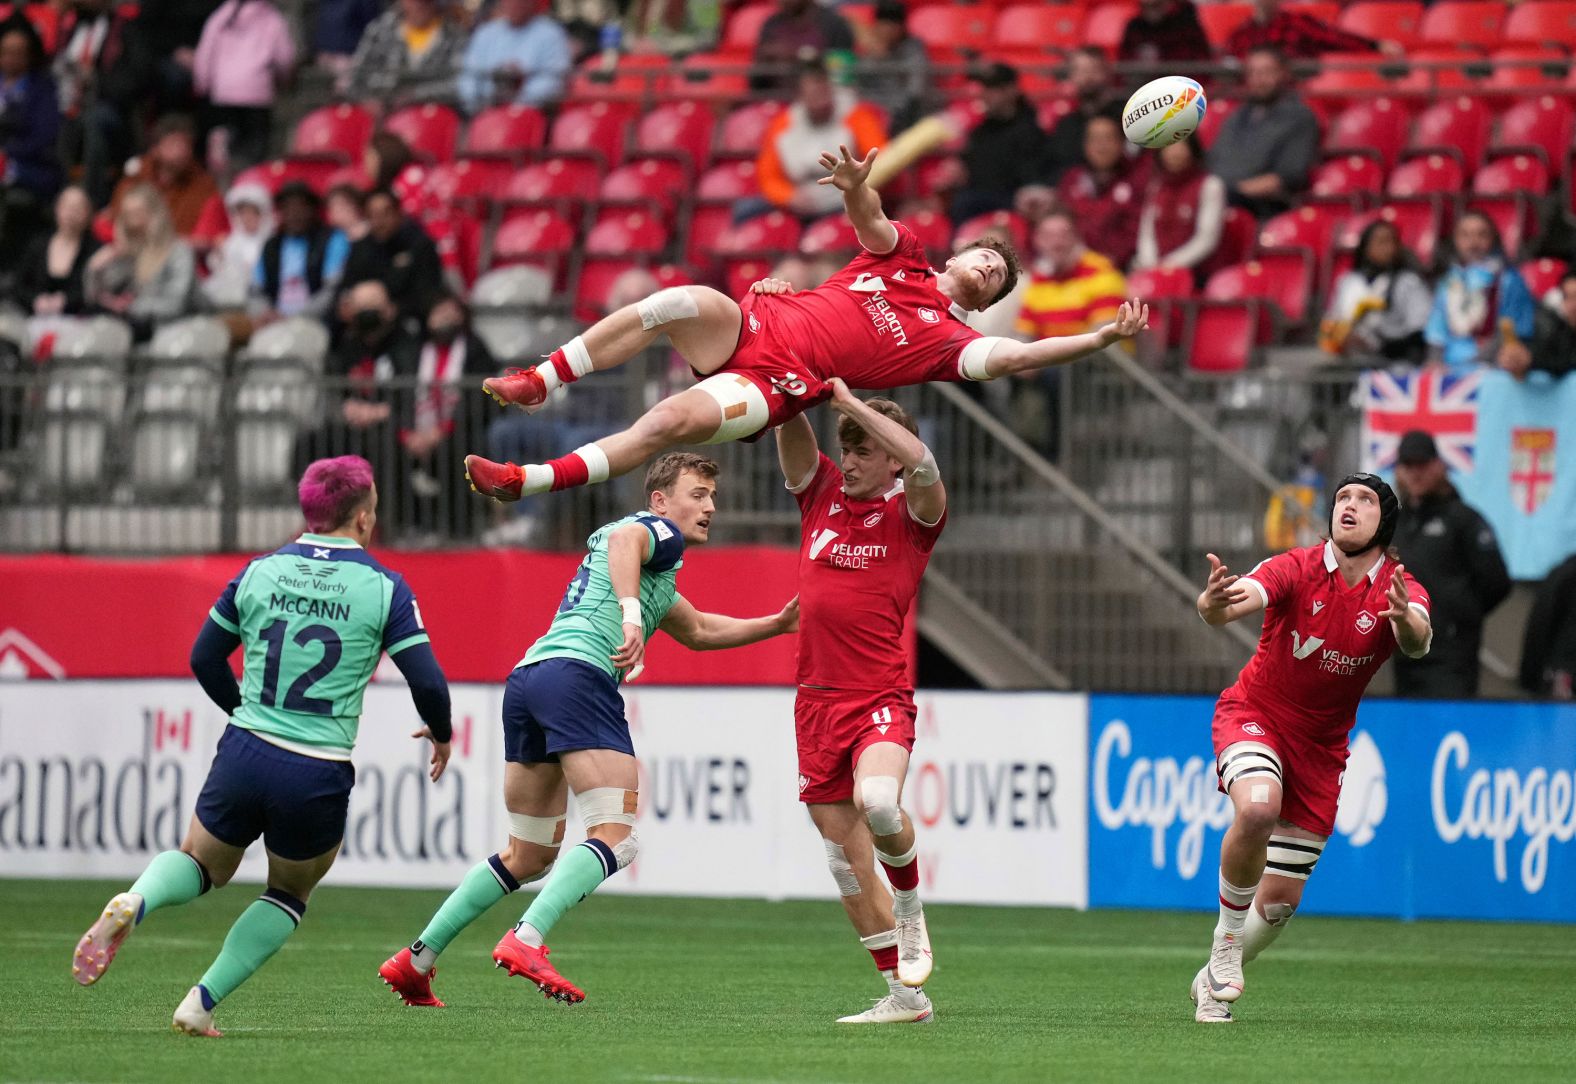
(1379, 307)
(410, 50)
(789, 168)
(170, 30)
(172, 169)
(389, 163)
(339, 26)
(1164, 30)
(1104, 194)
(1004, 152)
(1548, 649)
(245, 53)
(146, 274)
(29, 134)
(1450, 547)
(52, 278)
(796, 30)
(1089, 74)
(1553, 339)
(100, 69)
(397, 253)
(1297, 35)
(301, 264)
(894, 68)
(434, 433)
(1266, 148)
(232, 265)
(520, 55)
(1483, 310)
(1184, 208)
(345, 208)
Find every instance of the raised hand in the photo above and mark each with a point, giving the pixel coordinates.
(1131, 318)
(846, 173)
(771, 286)
(1399, 598)
(1222, 591)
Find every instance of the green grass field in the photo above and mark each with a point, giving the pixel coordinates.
(716, 991)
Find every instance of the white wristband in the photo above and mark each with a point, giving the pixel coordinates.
(631, 608)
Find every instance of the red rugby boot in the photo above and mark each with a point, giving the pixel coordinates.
(523, 388)
(531, 963)
(500, 481)
(411, 985)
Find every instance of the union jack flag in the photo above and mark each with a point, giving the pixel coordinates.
(1439, 403)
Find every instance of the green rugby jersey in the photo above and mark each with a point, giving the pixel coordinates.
(314, 618)
(589, 625)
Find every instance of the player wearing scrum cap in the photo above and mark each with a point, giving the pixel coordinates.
(1333, 614)
(563, 724)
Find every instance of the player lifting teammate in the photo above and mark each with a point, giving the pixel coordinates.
(1333, 614)
(867, 530)
(313, 618)
(884, 321)
(563, 722)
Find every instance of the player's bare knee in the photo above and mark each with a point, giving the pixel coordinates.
(669, 422)
(1257, 821)
(1251, 774)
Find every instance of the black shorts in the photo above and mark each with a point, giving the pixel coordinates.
(297, 803)
(558, 706)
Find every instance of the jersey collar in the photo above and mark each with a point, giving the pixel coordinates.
(1331, 564)
(327, 542)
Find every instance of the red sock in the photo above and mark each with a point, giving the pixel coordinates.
(903, 878)
(561, 367)
(569, 471)
(885, 958)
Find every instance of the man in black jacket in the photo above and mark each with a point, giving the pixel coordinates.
(1004, 152)
(398, 253)
(1451, 549)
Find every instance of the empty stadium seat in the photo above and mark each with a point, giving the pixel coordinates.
(1432, 179)
(1385, 20)
(597, 129)
(1352, 180)
(626, 233)
(71, 453)
(470, 182)
(963, 27)
(774, 232)
(512, 287)
(1166, 289)
(1029, 32)
(193, 338)
(739, 274)
(535, 237)
(1376, 128)
(597, 277)
(431, 131)
(1464, 22)
(337, 131)
(743, 31)
(1326, 11)
(1457, 126)
(85, 389)
(564, 184)
(1238, 231)
(1105, 24)
(637, 78)
(658, 183)
(1518, 67)
(1542, 22)
(1006, 222)
(708, 225)
(295, 338)
(741, 131)
(681, 129)
(506, 131)
(933, 230)
(1347, 77)
(1219, 20)
(165, 453)
(279, 389)
(1222, 337)
(1543, 126)
(1543, 275)
(712, 77)
(1306, 229)
(832, 235)
(102, 338)
(728, 181)
(191, 389)
(265, 449)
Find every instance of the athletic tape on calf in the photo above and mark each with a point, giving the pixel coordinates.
(842, 869)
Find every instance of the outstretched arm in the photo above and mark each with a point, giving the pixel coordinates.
(798, 454)
(1008, 357)
(1223, 599)
(711, 632)
(863, 203)
(1414, 632)
(927, 497)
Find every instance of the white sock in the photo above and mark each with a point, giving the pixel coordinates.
(595, 460)
(906, 994)
(905, 902)
(527, 935)
(576, 355)
(1235, 903)
(423, 958)
(538, 479)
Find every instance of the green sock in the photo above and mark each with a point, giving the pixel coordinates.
(172, 877)
(575, 876)
(256, 936)
(485, 884)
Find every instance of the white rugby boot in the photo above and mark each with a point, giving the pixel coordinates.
(96, 950)
(914, 960)
(1207, 1009)
(192, 1019)
(909, 1007)
(1224, 970)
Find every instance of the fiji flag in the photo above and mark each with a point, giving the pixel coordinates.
(1525, 481)
(1441, 403)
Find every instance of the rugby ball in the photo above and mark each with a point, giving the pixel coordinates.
(1164, 111)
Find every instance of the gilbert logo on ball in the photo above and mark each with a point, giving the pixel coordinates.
(1164, 110)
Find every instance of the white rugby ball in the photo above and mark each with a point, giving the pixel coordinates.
(1164, 111)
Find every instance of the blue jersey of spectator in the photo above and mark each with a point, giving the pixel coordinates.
(523, 45)
(1479, 299)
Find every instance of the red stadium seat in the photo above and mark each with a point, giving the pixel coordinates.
(743, 32)
(1377, 128)
(1166, 290)
(739, 275)
(677, 129)
(1518, 67)
(997, 221)
(708, 226)
(1028, 31)
(1510, 191)
(1237, 231)
(1457, 127)
(658, 183)
(1219, 20)
(1385, 20)
(1351, 180)
(1326, 11)
(833, 235)
(1345, 77)
(562, 184)
(1432, 179)
(593, 285)
(469, 181)
(1543, 126)
(1436, 69)
(728, 181)
(716, 77)
(334, 131)
(1222, 336)
(1215, 116)
(1106, 23)
(431, 131)
(534, 237)
(773, 232)
(1474, 23)
(596, 130)
(1244, 282)
(961, 27)
(1307, 229)
(933, 231)
(1542, 22)
(741, 131)
(1287, 278)
(506, 131)
(624, 232)
(1543, 275)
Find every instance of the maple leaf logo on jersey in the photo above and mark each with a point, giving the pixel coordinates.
(1366, 622)
(930, 316)
(1253, 728)
(872, 519)
(755, 325)
(867, 283)
(821, 540)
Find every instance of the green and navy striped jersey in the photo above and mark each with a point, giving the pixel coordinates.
(589, 625)
(314, 618)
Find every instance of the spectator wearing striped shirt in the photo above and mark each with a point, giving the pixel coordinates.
(1297, 35)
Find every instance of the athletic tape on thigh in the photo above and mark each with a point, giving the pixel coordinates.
(842, 869)
(607, 805)
(543, 831)
(666, 306)
(744, 409)
(1245, 760)
(878, 794)
(1293, 856)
